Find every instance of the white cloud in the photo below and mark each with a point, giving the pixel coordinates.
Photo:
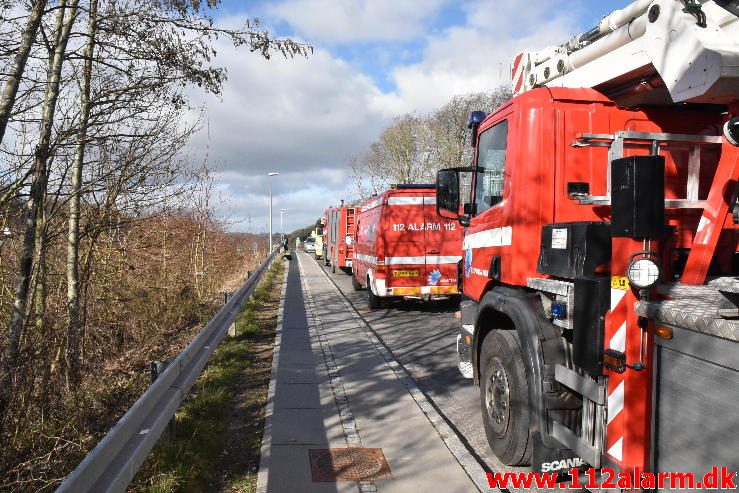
(304, 118)
(291, 115)
(245, 200)
(357, 20)
(477, 56)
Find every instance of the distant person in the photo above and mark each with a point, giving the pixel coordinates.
(297, 243)
(285, 244)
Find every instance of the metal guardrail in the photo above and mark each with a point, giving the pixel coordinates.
(114, 461)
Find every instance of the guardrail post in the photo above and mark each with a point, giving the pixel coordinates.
(231, 328)
(156, 368)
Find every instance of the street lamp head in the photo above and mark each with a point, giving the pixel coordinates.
(273, 174)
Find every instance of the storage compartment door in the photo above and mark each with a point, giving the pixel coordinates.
(696, 404)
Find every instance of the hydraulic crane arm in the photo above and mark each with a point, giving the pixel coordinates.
(652, 51)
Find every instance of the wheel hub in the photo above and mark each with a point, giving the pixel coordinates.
(497, 398)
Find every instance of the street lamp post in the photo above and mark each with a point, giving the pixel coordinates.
(270, 209)
(282, 230)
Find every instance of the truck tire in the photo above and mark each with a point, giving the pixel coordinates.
(504, 397)
(356, 284)
(373, 302)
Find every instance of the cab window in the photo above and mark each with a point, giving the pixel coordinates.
(491, 155)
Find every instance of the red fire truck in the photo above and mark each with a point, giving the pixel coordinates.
(339, 235)
(404, 249)
(600, 249)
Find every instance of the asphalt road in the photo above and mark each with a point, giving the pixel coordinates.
(422, 337)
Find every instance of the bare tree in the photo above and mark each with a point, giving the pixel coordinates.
(450, 137)
(73, 236)
(98, 115)
(400, 155)
(28, 37)
(412, 148)
(150, 53)
(65, 21)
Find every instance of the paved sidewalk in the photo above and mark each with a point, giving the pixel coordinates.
(332, 388)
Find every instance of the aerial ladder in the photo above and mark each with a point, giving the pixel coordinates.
(650, 52)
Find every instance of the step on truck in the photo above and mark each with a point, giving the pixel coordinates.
(404, 249)
(600, 247)
(339, 236)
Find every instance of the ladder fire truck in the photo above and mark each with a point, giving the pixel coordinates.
(599, 260)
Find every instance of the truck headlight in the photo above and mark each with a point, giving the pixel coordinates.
(643, 272)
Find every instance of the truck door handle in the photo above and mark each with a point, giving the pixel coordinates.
(433, 252)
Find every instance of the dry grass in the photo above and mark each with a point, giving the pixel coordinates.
(218, 430)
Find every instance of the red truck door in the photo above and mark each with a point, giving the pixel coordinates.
(405, 242)
(442, 248)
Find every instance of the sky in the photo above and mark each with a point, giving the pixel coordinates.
(373, 60)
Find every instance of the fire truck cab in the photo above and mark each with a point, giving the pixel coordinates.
(600, 247)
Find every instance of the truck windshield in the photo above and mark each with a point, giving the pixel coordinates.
(491, 155)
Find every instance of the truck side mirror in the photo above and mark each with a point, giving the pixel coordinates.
(447, 193)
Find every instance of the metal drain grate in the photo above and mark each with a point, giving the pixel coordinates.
(348, 464)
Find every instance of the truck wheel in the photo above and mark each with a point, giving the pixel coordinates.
(504, 397)
(355, 284)
(373, 302)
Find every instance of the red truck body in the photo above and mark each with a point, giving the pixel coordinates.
(549, 270)
(404, 249)
(339, 236)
